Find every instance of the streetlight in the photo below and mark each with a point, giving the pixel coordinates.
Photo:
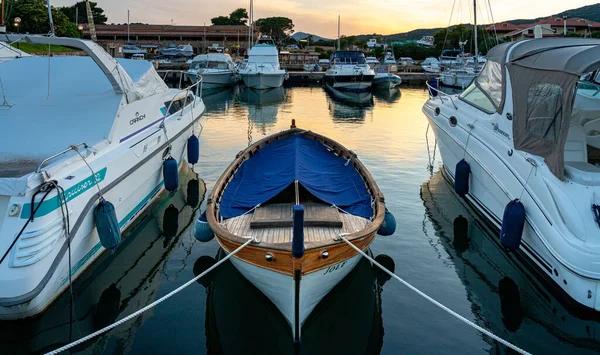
(17, 22)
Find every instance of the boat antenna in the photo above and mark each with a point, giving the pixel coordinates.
(128, 25)
(338, 44)
(475, 30)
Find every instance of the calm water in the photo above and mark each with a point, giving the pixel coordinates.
(439, 246)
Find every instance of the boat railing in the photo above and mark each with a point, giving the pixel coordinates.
(181, 73)
(190, 89)
(263, 65)
(72, 147)
(440, 94)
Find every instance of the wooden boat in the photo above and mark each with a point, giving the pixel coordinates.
(295, 193)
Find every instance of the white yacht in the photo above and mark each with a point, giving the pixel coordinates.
(385, 79)
(372, 61)
(431, 65)
(521, 147)
(389, 59)
(130, 49)
(349, 71)
(75, 143)
(215, 70)
(262, 71)
(185, 50)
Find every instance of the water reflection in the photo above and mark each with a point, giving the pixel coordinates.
(506, 295)
(348, 106)
(218, 99)
(241, 320)
(389, 96)
(116, 285)
(263, 108)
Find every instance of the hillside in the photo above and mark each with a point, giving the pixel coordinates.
(590, 12)
(302, 35)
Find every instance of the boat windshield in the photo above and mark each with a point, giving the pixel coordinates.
(209, 65)
(349, 57)
(475, 97)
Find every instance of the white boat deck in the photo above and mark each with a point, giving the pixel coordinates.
(328, 223)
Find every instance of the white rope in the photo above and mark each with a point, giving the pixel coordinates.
(448, 310)
(151, 305)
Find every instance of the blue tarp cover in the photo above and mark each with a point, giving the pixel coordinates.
(277, 165)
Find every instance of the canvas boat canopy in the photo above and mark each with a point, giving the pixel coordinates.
(543, 77)
(277, 165)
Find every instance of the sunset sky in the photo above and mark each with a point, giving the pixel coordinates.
(320, 17)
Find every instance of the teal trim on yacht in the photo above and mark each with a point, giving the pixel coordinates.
(71, 193)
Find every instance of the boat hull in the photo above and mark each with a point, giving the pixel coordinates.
(262, 81)
(388, 81)
(29, 294)
(490, 186)
(213, 80)
(281, 288)
(350, 82)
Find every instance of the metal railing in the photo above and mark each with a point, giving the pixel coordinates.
(73, 147)
(187, 90)
(440, 94)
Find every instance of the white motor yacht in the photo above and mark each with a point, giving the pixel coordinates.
(372, 61)
(75, 143)
(262, 71)
(349, 71)
(130, 49)
(389, 59)
(215, 70)
(385, 79)
(431, 65)
(458, 78)
(520, 144)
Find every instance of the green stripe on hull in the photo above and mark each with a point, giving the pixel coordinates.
(71, 193)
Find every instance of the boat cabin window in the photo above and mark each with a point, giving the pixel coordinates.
(209, 65)
(474, 97)
(544, 111)
(179, 104)
(349, 57)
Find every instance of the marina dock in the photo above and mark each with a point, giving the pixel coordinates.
(316, 77)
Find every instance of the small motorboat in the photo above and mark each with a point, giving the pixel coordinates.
(295, 193)
(101, 147)
(384, 79)
(215, 69)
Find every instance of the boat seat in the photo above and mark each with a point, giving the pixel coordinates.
(576, 145)
(582, 172)
(280, 215)
(592, 129)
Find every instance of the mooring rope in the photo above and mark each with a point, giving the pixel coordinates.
(151, 305)
(422, 294)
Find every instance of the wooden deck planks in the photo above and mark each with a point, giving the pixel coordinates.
(241, 225)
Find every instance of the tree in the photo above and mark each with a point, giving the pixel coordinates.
(238, 17)
(220, 20)
(80, 9)
(34, 18)
(279, 28)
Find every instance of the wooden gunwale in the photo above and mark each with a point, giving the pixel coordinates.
(282, 251)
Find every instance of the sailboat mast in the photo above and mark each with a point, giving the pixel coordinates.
(338, 46)
(475, 29)
(127, 26)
